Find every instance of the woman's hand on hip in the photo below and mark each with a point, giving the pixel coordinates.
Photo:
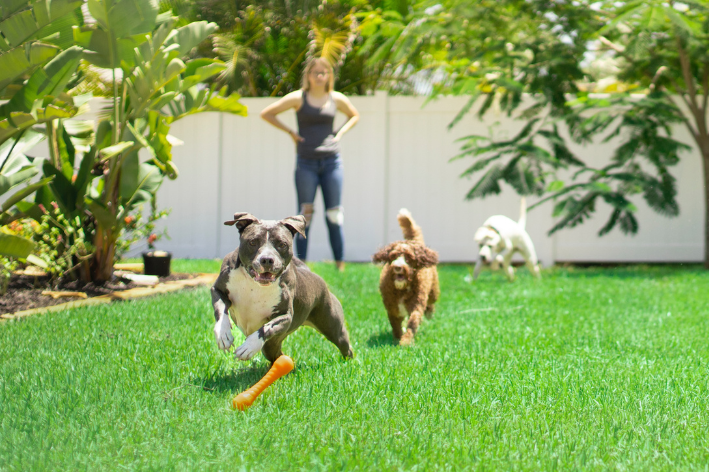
(296, 137)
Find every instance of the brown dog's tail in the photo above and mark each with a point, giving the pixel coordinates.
(409, 227)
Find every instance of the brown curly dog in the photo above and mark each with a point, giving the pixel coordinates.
(409, 279)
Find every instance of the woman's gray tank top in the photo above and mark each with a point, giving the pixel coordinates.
(315, 125)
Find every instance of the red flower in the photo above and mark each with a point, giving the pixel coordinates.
(55, 206)
(129, 219)
(152, 238)
(41, 207)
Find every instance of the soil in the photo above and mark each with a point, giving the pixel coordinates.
(25, 292)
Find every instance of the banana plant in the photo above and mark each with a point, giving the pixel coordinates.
(154, 85)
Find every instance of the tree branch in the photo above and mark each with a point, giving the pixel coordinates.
(694, 133)
(617, 48)
(688, 79)
(659, 72)
(679, 91)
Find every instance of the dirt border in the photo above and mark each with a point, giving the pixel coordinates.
(172, 286)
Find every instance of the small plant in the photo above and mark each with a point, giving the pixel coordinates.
(151, 240)
(61, 243)
(23, 230)
(138, 228)
(7, 265)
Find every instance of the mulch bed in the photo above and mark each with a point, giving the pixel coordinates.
(25, 292)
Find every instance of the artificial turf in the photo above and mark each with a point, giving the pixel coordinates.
(597, 368)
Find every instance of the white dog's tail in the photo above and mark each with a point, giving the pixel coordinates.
(408, 226)
(522, 213)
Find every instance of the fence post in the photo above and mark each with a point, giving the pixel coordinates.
(383, 96)
(220, 163)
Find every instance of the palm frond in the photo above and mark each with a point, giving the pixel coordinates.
(332, 44)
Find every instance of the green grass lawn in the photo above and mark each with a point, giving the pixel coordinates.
(587, 369)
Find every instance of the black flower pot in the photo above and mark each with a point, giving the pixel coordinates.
(157, 263)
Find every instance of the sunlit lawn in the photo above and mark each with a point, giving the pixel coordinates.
(587, 369)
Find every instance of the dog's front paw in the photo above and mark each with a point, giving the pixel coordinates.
(407, 339)
(222, 333)
(250, 347)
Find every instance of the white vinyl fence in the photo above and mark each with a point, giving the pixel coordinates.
(397, 156)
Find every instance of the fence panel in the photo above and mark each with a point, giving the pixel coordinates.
(397, 156)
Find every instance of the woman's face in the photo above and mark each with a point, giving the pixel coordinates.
(319, 75)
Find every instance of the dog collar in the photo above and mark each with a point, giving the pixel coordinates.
(495, 230)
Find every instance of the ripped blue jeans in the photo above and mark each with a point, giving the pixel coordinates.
(327, 173)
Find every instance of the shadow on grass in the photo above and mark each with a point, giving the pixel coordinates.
(236, 381)
(385, 338)
(242, 378)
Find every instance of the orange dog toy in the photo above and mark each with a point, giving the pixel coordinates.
(281, 367)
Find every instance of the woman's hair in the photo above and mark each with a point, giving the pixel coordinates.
(312, 62)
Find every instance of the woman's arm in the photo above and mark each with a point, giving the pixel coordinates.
(345, 106)
(292, 100)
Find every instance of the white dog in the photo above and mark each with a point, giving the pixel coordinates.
(499, 238)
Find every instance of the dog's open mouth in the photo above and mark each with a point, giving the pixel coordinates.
(264, 278)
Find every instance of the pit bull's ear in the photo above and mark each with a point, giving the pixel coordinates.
(296, 224)
(241, 220)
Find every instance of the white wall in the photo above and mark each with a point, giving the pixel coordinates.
(397, 156)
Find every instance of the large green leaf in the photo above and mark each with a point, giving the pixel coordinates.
(125, 18)
(102, 214)
(62, 188)
(110, 151)
(139, 181)
(21, 60)
(67, 153)
(101, 51)
(83, 177)
(12, 157)
(189, 36)
(15, 246)
(49, 80)
(24, 25)
(229, 104)
(120, 27)
(60, 32)
(195, 75)
(16, 178)
(8, 7)
(24, 193)
(19, 121)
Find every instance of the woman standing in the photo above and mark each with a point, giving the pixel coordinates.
(318, 148)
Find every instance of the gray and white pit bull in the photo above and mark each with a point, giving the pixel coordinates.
(268, 293)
